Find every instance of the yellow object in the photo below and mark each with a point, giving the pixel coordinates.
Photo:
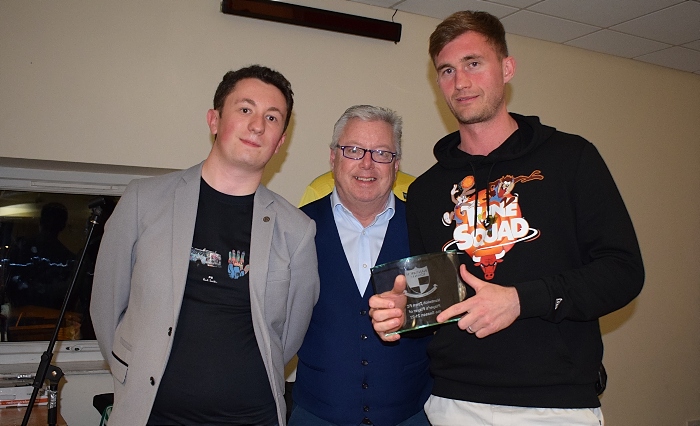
(323, 185)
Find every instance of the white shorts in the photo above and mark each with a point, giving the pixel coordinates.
(450, 412)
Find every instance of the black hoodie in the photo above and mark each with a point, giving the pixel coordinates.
(558, 231)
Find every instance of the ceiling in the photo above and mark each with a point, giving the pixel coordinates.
(661, 32)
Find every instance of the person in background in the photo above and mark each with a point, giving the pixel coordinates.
(548, 248)
(187, 342)
(41, 266)
(346, 375)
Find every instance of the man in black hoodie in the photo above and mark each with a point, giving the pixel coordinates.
(548, 248)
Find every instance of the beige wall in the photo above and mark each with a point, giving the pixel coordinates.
(129, 82)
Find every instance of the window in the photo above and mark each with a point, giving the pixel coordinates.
(45, 207)
(43, 236)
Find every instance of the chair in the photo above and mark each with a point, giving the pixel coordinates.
(103, 403)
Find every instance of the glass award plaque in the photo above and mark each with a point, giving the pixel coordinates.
(432, 285)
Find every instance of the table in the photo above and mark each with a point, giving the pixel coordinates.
(13, 416)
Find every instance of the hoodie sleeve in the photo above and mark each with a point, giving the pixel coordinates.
(415, 243)
(612, 273)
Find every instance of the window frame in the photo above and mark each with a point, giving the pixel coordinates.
(66, 178)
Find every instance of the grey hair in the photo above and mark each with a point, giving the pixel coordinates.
(369, 113)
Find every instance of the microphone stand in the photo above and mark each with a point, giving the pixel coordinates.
(44, 366)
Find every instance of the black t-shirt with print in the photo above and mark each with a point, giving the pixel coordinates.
(215, 373)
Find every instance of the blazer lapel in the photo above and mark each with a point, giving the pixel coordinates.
(184, 218)
(261, 241)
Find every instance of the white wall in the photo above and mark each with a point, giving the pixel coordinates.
(129, 83)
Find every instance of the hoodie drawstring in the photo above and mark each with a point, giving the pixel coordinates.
(488, 220)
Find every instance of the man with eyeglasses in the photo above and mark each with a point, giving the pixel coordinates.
(346, 375)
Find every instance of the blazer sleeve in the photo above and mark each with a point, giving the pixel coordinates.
(112, 281)
(303, 292)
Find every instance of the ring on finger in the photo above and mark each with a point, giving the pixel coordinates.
(469, 329)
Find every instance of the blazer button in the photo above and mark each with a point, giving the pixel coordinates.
(363, 336)
(153, 381)
(366, 421)
(364, 362)
(365, 386)
(170, 331)
(266, 219)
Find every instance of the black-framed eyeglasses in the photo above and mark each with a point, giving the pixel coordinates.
(377, 155)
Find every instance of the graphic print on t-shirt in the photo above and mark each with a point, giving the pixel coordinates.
(236, 264)
(236, 268)
(205, 257)
(488, 225)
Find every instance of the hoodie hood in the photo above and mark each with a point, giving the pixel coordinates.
(530, 134)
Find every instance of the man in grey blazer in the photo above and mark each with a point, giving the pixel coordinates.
(206, 280)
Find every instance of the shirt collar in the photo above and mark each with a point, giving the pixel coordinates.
(384, 216)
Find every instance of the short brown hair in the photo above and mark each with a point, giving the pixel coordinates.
(264, 74)
(460, 22)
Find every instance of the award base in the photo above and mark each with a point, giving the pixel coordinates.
(432, 285)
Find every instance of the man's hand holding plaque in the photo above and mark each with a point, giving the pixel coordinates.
(388, 310)
(412, 292)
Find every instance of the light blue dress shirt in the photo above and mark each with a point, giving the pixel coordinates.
(361, 244)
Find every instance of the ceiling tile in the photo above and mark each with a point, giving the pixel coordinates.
(443, 8)
(640, 29)
(537, 25)
(516, 3)
(380, 3)
(674, 25)
(674, 57)
(602, 13)
(618, 44)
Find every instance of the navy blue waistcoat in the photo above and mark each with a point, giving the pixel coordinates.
(346, 374)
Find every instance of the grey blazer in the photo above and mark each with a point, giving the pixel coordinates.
(140, 281)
